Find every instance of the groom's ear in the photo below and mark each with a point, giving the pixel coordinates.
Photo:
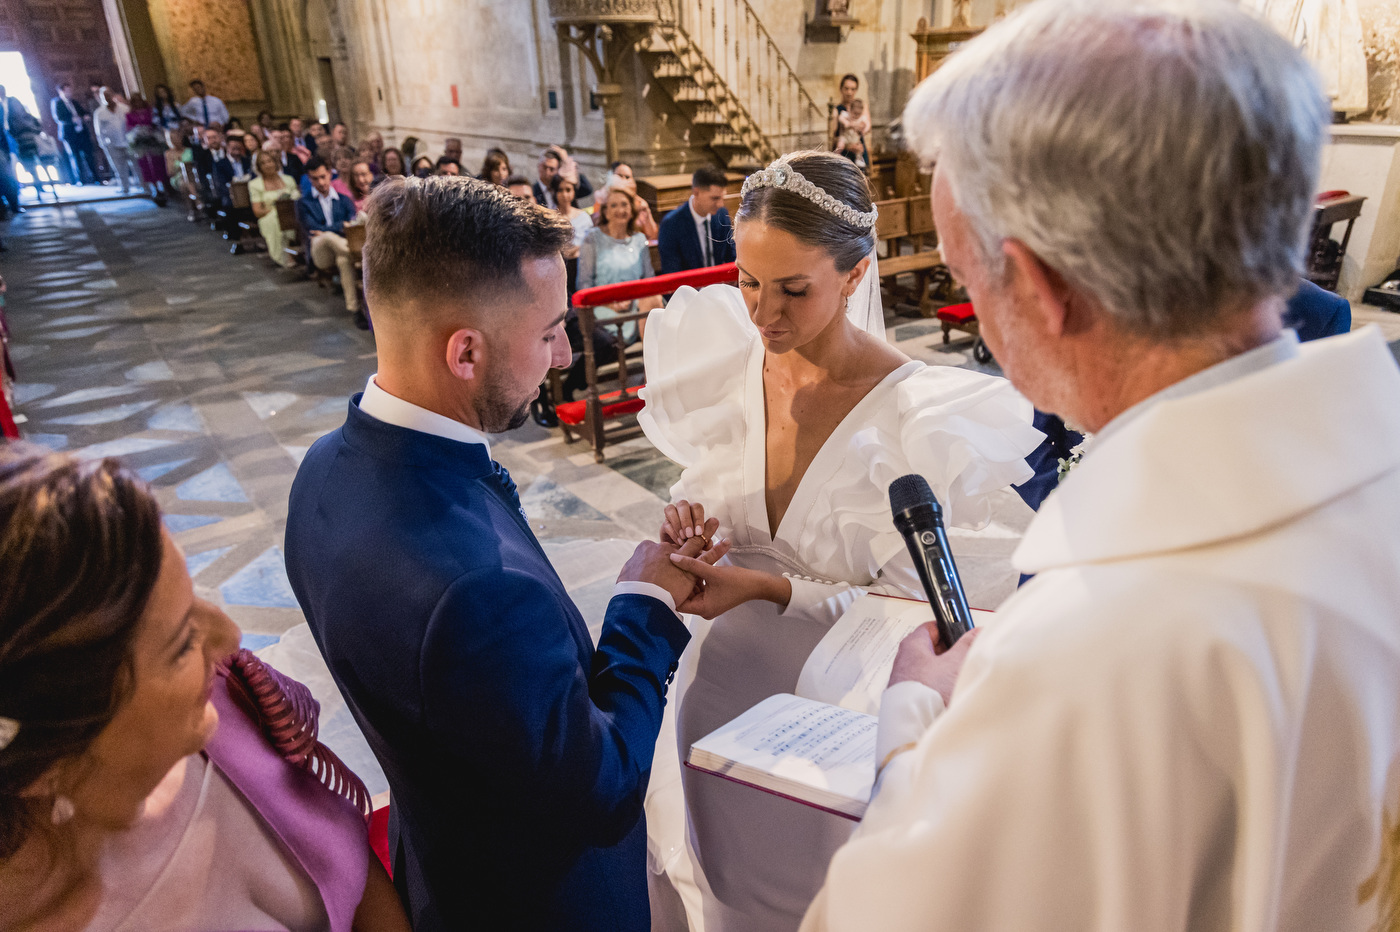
(854, 276)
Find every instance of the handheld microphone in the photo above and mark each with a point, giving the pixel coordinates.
(918, 517)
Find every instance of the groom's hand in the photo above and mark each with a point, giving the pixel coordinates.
(651, 563)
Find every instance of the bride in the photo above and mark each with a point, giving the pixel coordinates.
(791, 415)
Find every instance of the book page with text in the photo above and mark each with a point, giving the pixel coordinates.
(850, 666)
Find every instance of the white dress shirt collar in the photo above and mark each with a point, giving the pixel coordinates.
(391, 409)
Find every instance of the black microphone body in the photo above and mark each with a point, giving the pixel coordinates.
(919, 519)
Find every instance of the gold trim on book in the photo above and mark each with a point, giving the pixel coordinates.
(907, 746)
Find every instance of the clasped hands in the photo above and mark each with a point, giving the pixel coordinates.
(685, 562)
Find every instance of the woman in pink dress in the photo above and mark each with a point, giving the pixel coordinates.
(153, 777)
(147, 143)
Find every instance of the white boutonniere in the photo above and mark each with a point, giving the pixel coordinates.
(1068, 463)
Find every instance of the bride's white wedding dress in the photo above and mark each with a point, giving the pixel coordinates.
(762, 858)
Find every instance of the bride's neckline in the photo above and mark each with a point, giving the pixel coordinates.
(775, 522)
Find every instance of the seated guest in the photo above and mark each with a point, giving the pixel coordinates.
(495, 168)
(447, 165)
(516, 751)
(235, 165)
(371, 148)
(698, 233)
(620, 176)
(552, 161)
(392, 163)
(300, 137)
(289, 162)
(265, 190)
(361, 183)
(316, 132)
(519, 186)
(452, 148)
(1187, 719)
(422, 167)
(205, 155)
(338, 160)
(139, 787)
(338, 136)
(581, 220)
(613, 252)
(343, 162)
(323, 216)
(290, 145)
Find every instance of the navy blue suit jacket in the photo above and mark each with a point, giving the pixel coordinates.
(518, 755)
(679, 242)
(312, 217)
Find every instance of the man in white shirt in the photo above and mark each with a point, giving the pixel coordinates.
(1190, 717)
(323, 216)
(204, 108)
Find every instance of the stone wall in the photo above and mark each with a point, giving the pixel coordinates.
(212, 42)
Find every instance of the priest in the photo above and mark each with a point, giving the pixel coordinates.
(1190, 717)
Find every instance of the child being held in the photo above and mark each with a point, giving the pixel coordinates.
(850, 138)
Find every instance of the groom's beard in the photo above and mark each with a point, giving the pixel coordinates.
(498, 410)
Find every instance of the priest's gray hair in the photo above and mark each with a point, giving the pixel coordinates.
(1161, 155)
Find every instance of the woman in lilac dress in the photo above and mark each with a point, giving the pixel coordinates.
(152, 777)
(146, 141)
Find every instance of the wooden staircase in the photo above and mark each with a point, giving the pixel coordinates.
(718, 62)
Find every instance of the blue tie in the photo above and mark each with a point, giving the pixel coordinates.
(507, 485)
(205, 101)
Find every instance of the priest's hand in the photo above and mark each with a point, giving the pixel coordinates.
(720, 588)
(651, 563)
(922, 658)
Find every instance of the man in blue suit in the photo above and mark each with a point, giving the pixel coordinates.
(323, 214)
(517, 753)
(698, 233)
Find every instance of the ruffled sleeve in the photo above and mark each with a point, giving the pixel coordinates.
(695, 352)
(967, 433)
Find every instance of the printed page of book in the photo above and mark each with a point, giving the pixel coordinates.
(850, 666)
(809, 751)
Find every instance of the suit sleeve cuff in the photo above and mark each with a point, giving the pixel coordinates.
(648, 589)
(907, 710)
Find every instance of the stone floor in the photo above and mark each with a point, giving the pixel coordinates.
(137, 335)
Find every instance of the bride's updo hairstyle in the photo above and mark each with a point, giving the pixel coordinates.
(810, 222)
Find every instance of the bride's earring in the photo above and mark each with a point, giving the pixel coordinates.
(63, 810)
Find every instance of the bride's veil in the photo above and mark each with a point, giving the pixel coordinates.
(864, 307)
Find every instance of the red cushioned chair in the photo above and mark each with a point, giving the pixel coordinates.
(962, 317)
(609, 417)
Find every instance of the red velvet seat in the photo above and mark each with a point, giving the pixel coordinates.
(574, 412)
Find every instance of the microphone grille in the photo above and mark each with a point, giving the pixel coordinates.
(909, 491)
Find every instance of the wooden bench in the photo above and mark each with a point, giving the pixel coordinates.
(297, 250)
(901, 219)
(607, 412)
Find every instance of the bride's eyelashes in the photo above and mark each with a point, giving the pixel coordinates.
(753, 286)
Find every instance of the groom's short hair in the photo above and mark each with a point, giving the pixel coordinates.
(452, 239)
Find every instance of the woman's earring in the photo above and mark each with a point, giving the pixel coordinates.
(63, 810)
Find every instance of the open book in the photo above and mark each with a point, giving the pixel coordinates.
(818, 747)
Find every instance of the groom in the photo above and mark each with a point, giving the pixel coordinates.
(518, 755)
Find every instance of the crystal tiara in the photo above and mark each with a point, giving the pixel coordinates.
(782, 175)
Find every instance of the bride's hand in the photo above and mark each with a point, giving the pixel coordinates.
(685, 520)
(720, 588)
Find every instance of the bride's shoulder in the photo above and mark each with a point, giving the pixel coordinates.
(695, 351)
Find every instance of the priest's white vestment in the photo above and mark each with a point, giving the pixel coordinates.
(1189, 719)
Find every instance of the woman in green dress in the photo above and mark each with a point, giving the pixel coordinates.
(265, 190)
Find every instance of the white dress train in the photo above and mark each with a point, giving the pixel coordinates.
(759, 860)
